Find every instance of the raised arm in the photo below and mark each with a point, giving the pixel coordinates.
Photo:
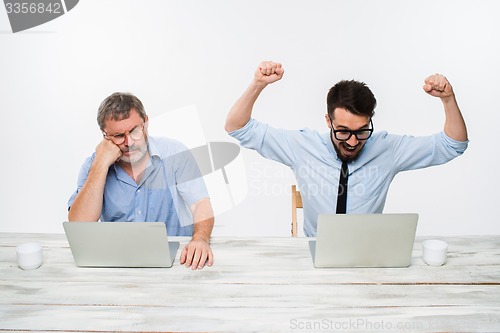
(87, 206)
(267, 72)
(438, 86)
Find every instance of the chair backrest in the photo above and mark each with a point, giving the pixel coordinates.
(296, 203)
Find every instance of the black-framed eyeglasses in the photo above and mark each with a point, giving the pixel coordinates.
(136, 134)
(344, 134)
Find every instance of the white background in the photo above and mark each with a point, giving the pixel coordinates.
(172, 54)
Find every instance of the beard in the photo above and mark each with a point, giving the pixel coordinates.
(136, 153)
(345, 154)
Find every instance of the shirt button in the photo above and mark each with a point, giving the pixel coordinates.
(139, 212)
(139, 191)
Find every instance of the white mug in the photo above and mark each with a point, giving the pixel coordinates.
(29, 255)
(434, 252)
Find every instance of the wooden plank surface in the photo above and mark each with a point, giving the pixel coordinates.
(259, 285)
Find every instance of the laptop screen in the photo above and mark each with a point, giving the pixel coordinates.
(365, 240)
(120, 244)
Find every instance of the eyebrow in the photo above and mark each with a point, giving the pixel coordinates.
(347, 128)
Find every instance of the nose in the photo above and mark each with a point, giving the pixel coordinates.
(127, 139)
(352, 141)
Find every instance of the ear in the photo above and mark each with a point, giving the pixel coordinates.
(146, 124)
(327, 119)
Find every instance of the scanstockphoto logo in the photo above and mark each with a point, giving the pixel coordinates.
(24, 15)
(219, 163)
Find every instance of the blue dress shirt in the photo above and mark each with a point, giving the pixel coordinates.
(171, 182)
(316, 166)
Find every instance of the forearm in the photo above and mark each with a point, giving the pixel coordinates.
(203, 218)
(203, 229)
(454, 125)
(241, 111)
(197, 252)
(87, 205)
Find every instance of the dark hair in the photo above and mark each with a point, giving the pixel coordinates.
(354, 96)
(117, 107)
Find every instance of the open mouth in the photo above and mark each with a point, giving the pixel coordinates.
(349, 148)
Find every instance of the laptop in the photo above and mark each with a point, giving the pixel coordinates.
(364, 240)
(120, 244)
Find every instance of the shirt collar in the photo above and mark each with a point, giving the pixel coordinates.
(328, 142)
(153, 147)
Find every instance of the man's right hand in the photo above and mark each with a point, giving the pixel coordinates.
(87, 206)
(269, 72)
(107, 153)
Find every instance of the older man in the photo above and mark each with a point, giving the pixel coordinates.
(136, 178)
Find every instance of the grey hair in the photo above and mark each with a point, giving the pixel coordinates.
(117, 107)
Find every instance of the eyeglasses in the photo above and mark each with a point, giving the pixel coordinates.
(136, 134)
(361, 134)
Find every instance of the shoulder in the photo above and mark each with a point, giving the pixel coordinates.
(383, 137)
(305, 138)
(308, 136)
(382, 142)
(254, 125)
(88, 162)
(164, 147)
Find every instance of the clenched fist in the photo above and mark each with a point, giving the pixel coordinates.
(437, 85)
(269, 72)
(107, 153)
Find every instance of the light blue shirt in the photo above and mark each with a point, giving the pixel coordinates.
(171, 182)
(316, 166)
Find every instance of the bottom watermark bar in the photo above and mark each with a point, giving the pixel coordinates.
(383, 325)
(359, 324)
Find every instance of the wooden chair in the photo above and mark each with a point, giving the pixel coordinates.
(296, 203)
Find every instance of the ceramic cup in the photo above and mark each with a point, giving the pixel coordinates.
(29, 255)
(434, 252)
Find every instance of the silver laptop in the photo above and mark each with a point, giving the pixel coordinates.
(120, 244)
(371, 240)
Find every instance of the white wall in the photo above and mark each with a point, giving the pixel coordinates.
(177, 53)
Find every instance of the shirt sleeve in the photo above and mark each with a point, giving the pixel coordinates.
(272, 143)
(187, 177)
(82, 178)
(419, 152)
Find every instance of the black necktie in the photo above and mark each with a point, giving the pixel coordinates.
(342, 195)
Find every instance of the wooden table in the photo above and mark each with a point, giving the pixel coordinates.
(256, 284)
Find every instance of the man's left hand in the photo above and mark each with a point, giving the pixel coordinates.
(437, 85)
(197, 253)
